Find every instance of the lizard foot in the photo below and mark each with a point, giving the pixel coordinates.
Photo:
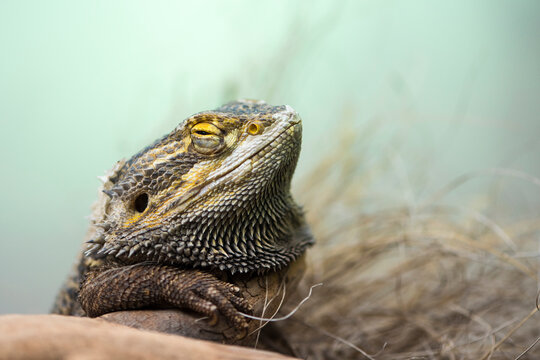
(144, 286)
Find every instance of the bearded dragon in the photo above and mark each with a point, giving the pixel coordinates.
(175, 224)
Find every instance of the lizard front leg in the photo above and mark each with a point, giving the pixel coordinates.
(141, 286)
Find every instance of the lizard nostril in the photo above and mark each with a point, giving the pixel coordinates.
(255, 128)
(141, 202)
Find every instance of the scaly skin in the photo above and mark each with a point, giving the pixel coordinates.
(105, 291)
(176, 222)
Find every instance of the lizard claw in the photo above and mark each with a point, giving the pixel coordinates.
(225, 301)
(204, 293)
(141, 286)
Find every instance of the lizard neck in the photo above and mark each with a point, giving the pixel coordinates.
(265, 231)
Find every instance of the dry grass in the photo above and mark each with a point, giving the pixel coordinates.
(429, 282)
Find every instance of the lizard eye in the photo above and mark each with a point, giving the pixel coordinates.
(206, 138)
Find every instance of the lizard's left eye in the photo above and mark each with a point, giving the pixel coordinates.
(206, 138)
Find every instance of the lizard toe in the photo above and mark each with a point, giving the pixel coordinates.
(228, 305)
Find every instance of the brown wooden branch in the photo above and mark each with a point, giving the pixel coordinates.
(66, 337)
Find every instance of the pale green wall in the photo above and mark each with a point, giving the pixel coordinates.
(84, 83)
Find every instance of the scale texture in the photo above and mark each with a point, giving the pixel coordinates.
(175, 224)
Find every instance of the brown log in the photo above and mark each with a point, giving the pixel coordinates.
(64, 337)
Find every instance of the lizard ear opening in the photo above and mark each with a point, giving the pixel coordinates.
(141, 202)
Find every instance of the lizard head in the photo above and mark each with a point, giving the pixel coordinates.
(215, 192)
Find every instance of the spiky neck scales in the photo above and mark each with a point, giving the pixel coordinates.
(214, 193)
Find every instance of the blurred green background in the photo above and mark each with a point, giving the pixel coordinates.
(436, 89)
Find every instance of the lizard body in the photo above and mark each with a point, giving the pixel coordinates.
(178, 220)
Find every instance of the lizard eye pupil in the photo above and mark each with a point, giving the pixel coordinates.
(202, 132)
(141, 202)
